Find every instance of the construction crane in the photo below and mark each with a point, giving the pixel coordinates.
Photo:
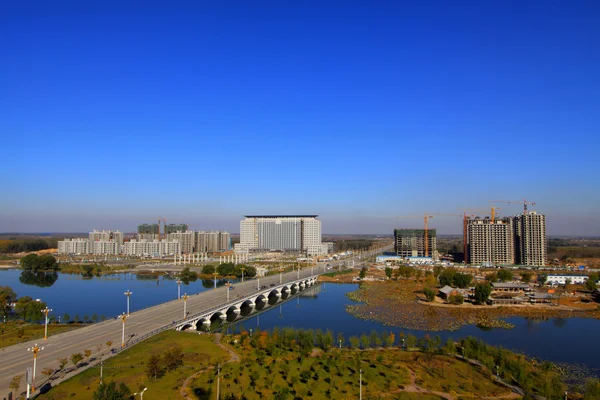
(426, 218)
(524, 202)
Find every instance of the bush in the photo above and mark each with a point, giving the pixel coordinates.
(456, 298)
(430, 294)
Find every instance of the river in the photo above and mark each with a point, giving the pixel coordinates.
(321, 308)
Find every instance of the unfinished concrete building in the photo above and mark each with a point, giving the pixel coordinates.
(530, 239)
(490, 242)
(411, 243)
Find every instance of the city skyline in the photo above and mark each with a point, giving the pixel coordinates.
(115, 114)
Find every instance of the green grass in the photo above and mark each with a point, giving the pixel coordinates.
(343, 272)
(10, 332)
(128, 367)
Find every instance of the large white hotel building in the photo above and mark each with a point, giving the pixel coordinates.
(294, 233)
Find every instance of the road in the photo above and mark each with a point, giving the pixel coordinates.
(15, 359)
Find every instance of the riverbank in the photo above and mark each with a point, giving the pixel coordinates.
(399, 304)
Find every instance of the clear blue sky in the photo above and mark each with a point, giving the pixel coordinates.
(113, 113)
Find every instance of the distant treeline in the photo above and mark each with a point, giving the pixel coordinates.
(353, 244)
(25, 245)
(573, 252)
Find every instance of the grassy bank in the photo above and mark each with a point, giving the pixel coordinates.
(16, 332)
(199, 352)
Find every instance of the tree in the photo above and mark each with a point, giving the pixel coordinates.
(76, 318)
(363, 273)
(173, 358)
(87, 353)
(354, 342)
(110, 391)
(226, 269)
(505, 275)
(526, 277)
(492, 278)
(482, 292)
(591, 284)
(30, 262)
(76, 358)
(95, 317)
(15, 382)
(29, 309)
(47, 262)
(208, 269)
(47, 371)
(154, 369)
(447, 276)
(62, 362)
(109, 343)
(462, 280)
(388, 272)
(66, 318)
(430, 294)
(456, 298)
(7, 297)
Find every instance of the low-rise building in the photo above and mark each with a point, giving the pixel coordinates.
(507, 298)
(151, 248)
(510, 287)
(561, 279)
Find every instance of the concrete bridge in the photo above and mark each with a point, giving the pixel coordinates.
(246, 305)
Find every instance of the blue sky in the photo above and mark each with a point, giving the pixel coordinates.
(114, 113)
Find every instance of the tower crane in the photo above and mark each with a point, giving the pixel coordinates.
(524, 202)
(426, 217)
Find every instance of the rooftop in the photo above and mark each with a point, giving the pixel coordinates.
(281, 216)
(510, 285)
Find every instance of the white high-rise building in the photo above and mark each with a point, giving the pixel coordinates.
(298, 233)
(212, 241)
(490, 242)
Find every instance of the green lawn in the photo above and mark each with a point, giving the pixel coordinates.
(129, 366)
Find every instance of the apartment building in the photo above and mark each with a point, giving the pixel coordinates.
(74, 246)
(212, 241)
(490, 241)
(186, 238)
(145, 247)
(106, 236)
(530, 239)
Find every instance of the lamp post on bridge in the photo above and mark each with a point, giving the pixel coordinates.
(178, 288)
(46, 311)
(123, 317)
(227, 285)
(185, 297)
(215, 274)
(128, 293)
(280, 275)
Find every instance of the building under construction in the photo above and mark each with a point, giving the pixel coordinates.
(490, 241)
(172, 228)
(530, 238)
(411, 243)
(148, 231)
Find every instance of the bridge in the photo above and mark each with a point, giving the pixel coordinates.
(243, 307)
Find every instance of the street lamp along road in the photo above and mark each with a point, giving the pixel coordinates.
(46, 311)
(185, 297)
(178, 288)
(35, 350)
(128, 294)
(123, 318)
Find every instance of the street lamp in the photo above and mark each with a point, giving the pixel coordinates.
(185, 297)
(250, 333)
(360, 386)
(123, 317)
(46, 311)
(402, 341)
(141, 393)
(227, 285)
(215, 274)
(128, 294)
(35, 349)
(178, 288)
(280, 275)
(243, 269)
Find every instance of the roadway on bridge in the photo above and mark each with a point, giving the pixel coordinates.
(15, 359)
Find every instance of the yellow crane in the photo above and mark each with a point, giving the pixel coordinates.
(426, 217)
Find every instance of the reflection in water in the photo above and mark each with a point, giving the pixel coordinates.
(41, 279)
(559, 322)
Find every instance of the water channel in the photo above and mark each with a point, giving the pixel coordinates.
(320, 308)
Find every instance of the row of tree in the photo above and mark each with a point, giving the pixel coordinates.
(35, 263)
(230, 269)
(27, 245)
